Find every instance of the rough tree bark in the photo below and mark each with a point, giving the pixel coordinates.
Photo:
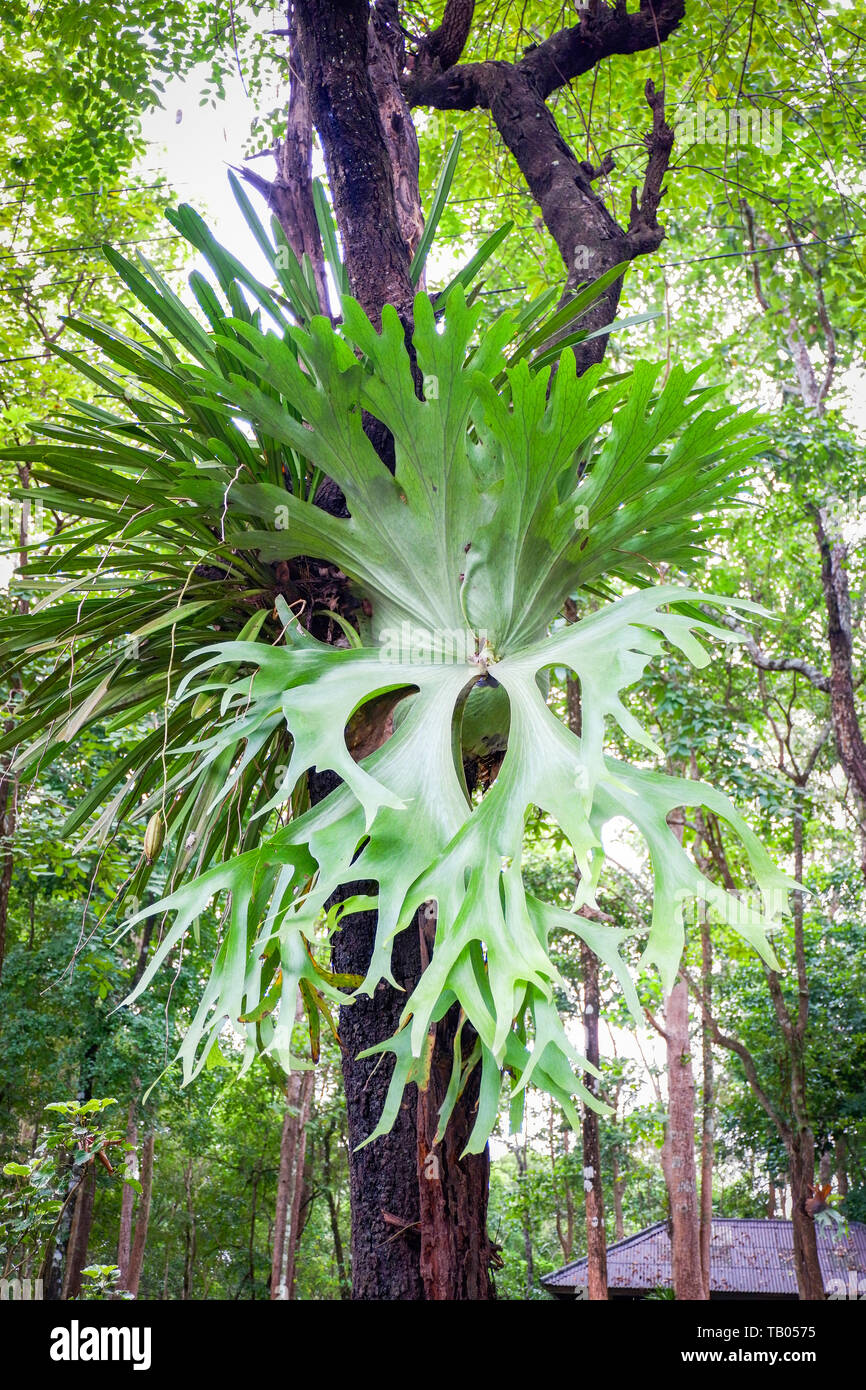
(334, 43)
(289, 194)
(418, 1228)
(587, 235)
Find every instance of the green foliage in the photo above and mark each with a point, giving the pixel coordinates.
(32, 1205)
(102, 1284)
(512, 488)
(76, 84)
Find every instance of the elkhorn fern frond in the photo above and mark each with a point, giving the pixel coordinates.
(512, 489)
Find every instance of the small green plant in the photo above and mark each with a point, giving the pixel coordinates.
(32, 1207)
(102, 1283)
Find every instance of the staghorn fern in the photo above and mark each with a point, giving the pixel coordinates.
(511, 490)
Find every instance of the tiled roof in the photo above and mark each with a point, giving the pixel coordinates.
(746, 1257)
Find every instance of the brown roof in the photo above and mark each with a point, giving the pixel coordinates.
(746, 1257)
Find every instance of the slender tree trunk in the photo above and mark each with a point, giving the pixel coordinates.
(298, 1186)
(841, 1147)
(679, 1151)
(562, 1195)
(569, 1198)
(189, 1252)
(290, 1182)
(127, 1195)
(286, 1180)
(843, 704)
(251, 1239)
(618, 1184)
(771, 1201)
(708, 1117)
(800, 1139)
(596, 1242)
(79, 1235)
(8, 780)
(334, 1218)
(142, 1217)
(525, 1220)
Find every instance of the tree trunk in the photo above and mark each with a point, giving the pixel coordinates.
(334, 40)
(841, 1147)
(127, 1197)
(564, 1233)
(800, 1140)
(292, 1147)
(843, 704)
(8, 780)
(189, 1251)
(79, 1235)
(334, 1218)
(525, 1221)
(405, 1243)
(455, 1249)
(802, 1175)
(250, 1275)
(596, 1242)
(618, 1181)
(142, 1218)
(679, 1151)
(708, 1120)
(299, 1185)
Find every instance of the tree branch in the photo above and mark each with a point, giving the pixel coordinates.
(589, 239)
(442, 48)
(740, 1050)
(604, 31)
(759, 657)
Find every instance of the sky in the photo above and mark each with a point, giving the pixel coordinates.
(194, 147)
